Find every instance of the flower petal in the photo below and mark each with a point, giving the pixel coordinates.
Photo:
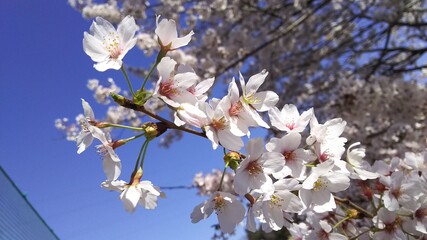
(127, 28)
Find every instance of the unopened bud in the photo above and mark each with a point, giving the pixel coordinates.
(117, 98)
(352, 213)
(233, 159)
(153, 130)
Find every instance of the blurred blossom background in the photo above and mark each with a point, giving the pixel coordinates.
(363, 61)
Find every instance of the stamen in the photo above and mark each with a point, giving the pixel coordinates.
(319, 185)
(254, 168)
(235, 109)
(219, 124)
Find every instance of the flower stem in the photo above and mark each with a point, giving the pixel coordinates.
(143, 154)
(139, 156)
(222, 177)
(161, 54)
(342, 220)
(133, 138)
(124, 126)
(128, 81)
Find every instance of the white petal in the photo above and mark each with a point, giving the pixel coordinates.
(276, 119)
(101, 28)
(265, 100)
(231, 214)
(117, 185)
(84, 140)
(242, 83)
(192, 115)
(115, 64)
(94, 48)
(166, 31)
(128, 46)
(130, 197)
(182, 41)
(112, 169)
(323, 201)
(185, 80)
(241, 183)
(87, 110)
(127, 28)
(229, 140)
(338, 182)
(197, 213)
(233, 91)
(255, 148)
(148, 200)
(211, 135)
(165, 67)
(204, 86)
(250, 223)
(255, 82)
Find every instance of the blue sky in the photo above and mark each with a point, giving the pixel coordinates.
(43, 74)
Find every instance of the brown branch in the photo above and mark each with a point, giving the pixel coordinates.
(353, 205)
(127, 103)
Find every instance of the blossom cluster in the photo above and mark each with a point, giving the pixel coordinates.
(301, 171)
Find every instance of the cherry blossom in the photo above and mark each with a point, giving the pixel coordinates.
(388, 222)
(142, 192)
(88, 131)
(359, 168)
(229, 210)
(317, 188)
(289, 119)
(253, 172)
(173, 83)
(254, 101)
(294, 157)
(106, 45)
(168, 36)
(218, 128)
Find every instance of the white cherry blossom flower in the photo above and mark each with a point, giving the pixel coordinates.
(358, 168)
(142, 192)
(173, 83)
(417, 162)
(277, 202)
(317, 189)
(323, 231)
(388, 222)
(200, 88)
(400, 191)
(111, 163)
(253, 172)
(254, 101)
(229, 210)
(299, 231)
(88, 131)
(289, 119)
(107, 46)
(294, 158)
(168, 35)
(330, 131)
(217, 128)
(240, 119)
(192, 115)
